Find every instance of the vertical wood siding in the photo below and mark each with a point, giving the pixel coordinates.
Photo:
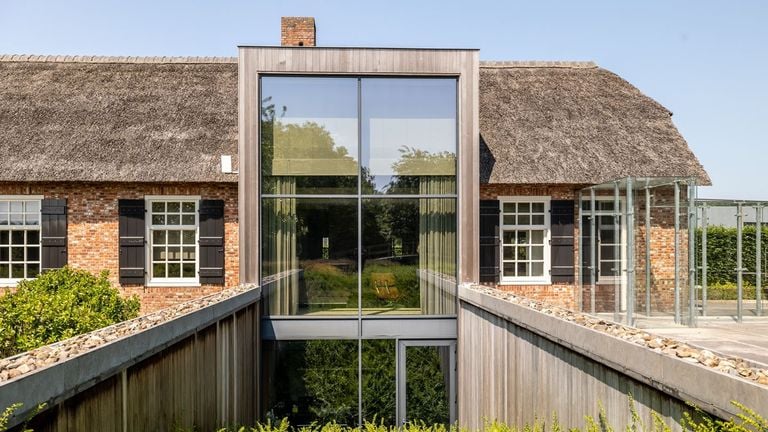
(204, 381)
(509, 373)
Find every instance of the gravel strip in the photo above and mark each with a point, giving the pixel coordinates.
(39, 358)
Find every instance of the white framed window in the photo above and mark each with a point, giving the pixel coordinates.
(610, 252)
(173, 233)
(19, 238)
(525, 240)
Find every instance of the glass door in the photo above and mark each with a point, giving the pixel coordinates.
(426, 381)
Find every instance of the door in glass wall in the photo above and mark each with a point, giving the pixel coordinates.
(426, 382)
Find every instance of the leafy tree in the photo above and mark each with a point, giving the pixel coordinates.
(57, 305)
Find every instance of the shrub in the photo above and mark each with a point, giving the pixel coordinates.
(746, 421)
(721, 254)
(57, 305)
(730, 292)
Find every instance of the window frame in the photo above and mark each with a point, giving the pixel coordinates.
(609, 279)
(10, 281)
(153, 281)
(546, 278)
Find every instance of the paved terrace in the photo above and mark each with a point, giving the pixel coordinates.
(747, 340)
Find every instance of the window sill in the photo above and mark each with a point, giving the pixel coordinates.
(524, 282)
(10, 284)
(179, 284)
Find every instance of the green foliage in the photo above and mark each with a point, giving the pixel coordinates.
(5, 417)
(729, 292)
(721, 254)
(57, 305)
(330, 281)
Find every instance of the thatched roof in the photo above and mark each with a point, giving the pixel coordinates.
(573, 122)
(117, 119)
(170, 119)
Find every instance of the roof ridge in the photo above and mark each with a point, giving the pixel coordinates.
(538, 64)
(112, 59)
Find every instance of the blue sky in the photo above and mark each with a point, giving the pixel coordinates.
(707, 61)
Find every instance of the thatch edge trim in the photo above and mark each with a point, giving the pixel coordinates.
(111, 59)
(539, 64)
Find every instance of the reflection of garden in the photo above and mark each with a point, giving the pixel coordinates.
(310, 245)
(385, 285)
(318, 381)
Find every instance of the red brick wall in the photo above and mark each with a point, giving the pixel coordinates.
(93, 230)
(563, 295)
(662, 251)
(297, 31)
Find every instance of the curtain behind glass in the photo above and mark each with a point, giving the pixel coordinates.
(280, 260)
(437, 247)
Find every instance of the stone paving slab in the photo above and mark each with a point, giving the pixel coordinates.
(747, 340)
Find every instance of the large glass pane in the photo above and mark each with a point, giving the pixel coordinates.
(309, 135)
(427, 387)
(379, 381)
(311, 381)
(309, 256)
(409, 256)
(409, 135)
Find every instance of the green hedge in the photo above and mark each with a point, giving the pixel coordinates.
(57, 305)
(730, 292)
(721, 254)
(695, 421)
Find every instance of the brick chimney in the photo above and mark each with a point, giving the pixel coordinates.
(297, 31)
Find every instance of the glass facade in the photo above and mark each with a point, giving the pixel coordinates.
(309, 135)
(313, 380)
(358, 213)
(347, 381)
(309, 256)
(358, 207)
(409, 135)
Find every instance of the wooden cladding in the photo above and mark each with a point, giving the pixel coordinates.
(211, 242)
(53, 233)
(132, 214)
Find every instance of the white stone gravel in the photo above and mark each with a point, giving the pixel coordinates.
(39, 358)
(731, 365)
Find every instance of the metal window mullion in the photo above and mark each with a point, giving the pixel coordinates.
(617, 253)
(704, 269)
(629, 220)
(739, 261)
(647, 252)
(359, 252)
(592, 251)
(758, 260)
(692, 255)
(677, 253)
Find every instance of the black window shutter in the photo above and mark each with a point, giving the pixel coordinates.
(562, 218)
(489, 241)
(53, 234)
(132, 214)
(211, 242)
